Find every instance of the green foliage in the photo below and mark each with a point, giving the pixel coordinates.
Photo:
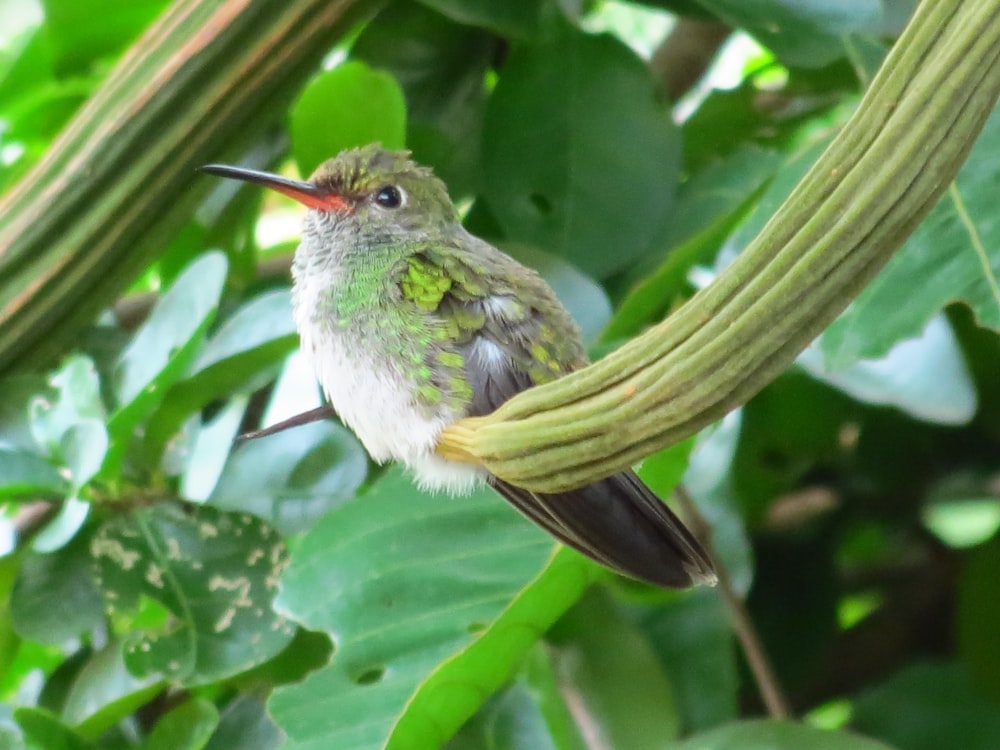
(170, 586)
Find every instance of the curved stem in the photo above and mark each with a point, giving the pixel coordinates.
(853, 210)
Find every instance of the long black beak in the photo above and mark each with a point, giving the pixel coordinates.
(304, 192)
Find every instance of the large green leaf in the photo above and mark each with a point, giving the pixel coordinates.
(579, 151)
(925, 376)
(803, 33)
(215, 572)
(351, 105)
(431, 602)
(773, 734)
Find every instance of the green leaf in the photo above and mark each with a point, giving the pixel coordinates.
(351, 105)
(11, 736)
(692, 637)
(431, 602)
(295, 392)
(802, 33)
(774, 734)
(611, 670)
(579, 151)
(54, 597)
(245, 340)
(926, 376)
(187, 727)
(246, 347)
(441, 66)
(84, 446)
(928, 707)
(77, 398)
(215, 572)
(511, 720)
(61, 529)
(23, 473)
(164, 347)
(509, 19)
(82, 33)
(707, 205)
(953, 254)
(16, 393)
(245, 725)
(44, 731)
(103, 692)
(209, 451)
(294, 477)
(709, 480)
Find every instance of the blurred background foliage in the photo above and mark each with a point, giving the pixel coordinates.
(165, 587)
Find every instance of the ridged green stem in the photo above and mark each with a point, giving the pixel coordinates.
(850, 213)
(206, 79)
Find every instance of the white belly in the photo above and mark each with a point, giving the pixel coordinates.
(376, 403)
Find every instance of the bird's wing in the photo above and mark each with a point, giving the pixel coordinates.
(512, 339)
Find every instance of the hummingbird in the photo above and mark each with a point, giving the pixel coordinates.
(411, 323)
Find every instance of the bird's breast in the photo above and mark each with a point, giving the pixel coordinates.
(362, 365)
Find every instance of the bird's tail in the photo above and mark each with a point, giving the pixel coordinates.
(620, 523)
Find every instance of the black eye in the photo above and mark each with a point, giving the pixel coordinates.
(389, 196)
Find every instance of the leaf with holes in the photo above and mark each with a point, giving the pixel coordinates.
(431, 601)
(215, 572)
(580, 153)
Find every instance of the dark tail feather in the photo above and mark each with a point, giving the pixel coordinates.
(620, 523)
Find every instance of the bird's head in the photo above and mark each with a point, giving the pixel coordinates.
(368, 189)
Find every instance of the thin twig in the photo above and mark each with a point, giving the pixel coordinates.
(313, 415)
(756, 656)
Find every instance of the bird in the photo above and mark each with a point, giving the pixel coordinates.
(412, 323)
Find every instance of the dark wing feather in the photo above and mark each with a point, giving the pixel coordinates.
(620, 523)
(617, 521)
